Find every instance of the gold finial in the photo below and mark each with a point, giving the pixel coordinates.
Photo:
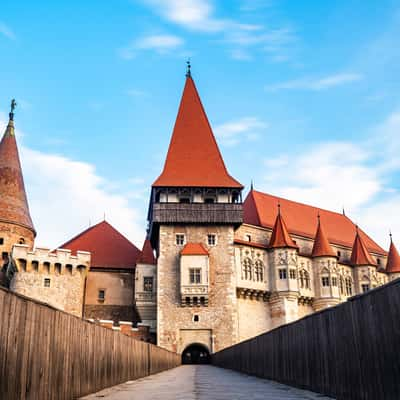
(13, 105)
(188, 67)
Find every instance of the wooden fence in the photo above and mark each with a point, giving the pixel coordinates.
(351, 351)
(48, 354)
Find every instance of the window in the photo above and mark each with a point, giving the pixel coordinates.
(180, 239)
(292, 273)
(21, 241)
(1, 241)
(378, 261)
(4, 256)
(101, 296)
(209, 200)
(46, 282)
(334, 281)
(184, 200)
(248, 238)
(339, 254)
(259, 271)
(148, 283)
(247, 269)
(196, 318)
(365, 287)
(341, 285)
(349, 286)
(195, 275)
(282, 274)
(325, 281)
(304, 279)
(211, 240)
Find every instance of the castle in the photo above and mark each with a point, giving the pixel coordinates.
(214, 269)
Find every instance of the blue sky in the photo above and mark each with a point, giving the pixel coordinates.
(302, 96)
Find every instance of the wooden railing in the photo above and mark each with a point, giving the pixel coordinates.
(49, 354)
(349, 352)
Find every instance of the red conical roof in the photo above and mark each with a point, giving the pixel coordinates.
(13, 201)
(359, 253)
(147, 255)
(321, 247)
(393, 260)
(109, 249)
(280, 236)
(193, 158)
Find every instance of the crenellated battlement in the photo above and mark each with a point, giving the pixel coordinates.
(58, 262)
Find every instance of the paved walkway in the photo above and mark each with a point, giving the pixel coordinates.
(203, 382)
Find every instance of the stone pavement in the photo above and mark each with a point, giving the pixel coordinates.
(203, 382)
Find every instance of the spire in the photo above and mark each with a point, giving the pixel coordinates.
(193, 157)
(321, 247)
(147, 255)
(280, 236)
(13, 201)
(359, 253)
(393, 260)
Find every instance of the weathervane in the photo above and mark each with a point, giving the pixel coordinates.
(188, 72)
(13, 105)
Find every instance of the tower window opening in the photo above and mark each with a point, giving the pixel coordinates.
(21, 241)
(1, 241)
(46, 282)
(196, 318)
(282, 274)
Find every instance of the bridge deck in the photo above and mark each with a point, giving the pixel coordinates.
(198, 382)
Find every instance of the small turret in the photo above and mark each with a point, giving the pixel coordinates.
(393, 261)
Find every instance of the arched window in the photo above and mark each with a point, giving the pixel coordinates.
(247, 269)
(259, 271)
(341, 285)
(349, 286)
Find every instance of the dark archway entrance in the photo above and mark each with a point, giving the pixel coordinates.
(196, 354)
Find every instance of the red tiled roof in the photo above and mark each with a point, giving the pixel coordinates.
(260, 209)
(13, 201)
(280, 236)
(359, 253)
(194, 249)
(193, 158)
(252, 244)
(393, 260)
(321, 247)
(109, 248)
(147, 255)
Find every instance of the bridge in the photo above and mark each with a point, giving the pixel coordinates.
(348, 352)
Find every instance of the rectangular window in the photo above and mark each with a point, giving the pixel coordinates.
(211, 240)
(46, 282)
(282, 274)
(195, 275)
(101, 295)
(180, 239)
(1, 241)
(325, 281)
(148, 283)
(334, 281)
(365, 287)
(292, 273)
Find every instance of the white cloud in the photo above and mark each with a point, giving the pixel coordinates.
(162, 44)
(6, 31)
(317, 84)
(64, 195)
(232, 132)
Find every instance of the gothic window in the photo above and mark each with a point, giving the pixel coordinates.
(148, 283)
(325, 281)
(194, 275)
(334, 281)
(349, 286)
(180, 239)
(292, 273)
(211, 240)
(247, 269)
(304, 279)
(259, 271)
(282, 274)
(341, 285)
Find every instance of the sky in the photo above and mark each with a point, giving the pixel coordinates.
(303, 98)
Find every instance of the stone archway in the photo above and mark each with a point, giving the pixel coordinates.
(196, 353)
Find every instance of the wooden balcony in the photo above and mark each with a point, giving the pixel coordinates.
(203, 213)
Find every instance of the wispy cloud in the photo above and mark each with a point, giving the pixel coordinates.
(162, 44)
(233, 132)
(317, 84)
(7, 31)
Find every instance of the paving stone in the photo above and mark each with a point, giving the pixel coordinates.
(203, 382)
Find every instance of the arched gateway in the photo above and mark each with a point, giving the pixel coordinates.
(196, 354)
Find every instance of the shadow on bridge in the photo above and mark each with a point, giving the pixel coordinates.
(196, 354)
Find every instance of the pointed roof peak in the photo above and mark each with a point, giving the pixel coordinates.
(360, 254)
(193, 158)
(188, 69)
(147, 255)
(280, 235)
(393, 260)
(14, 207)
(321, 247)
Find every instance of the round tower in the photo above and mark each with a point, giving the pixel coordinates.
(15, 220)
(393, 262)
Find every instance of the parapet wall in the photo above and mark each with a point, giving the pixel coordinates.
(49, 354)
(350, 351)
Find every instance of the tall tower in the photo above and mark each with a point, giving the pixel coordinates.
(194, 209)
(15, 220)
